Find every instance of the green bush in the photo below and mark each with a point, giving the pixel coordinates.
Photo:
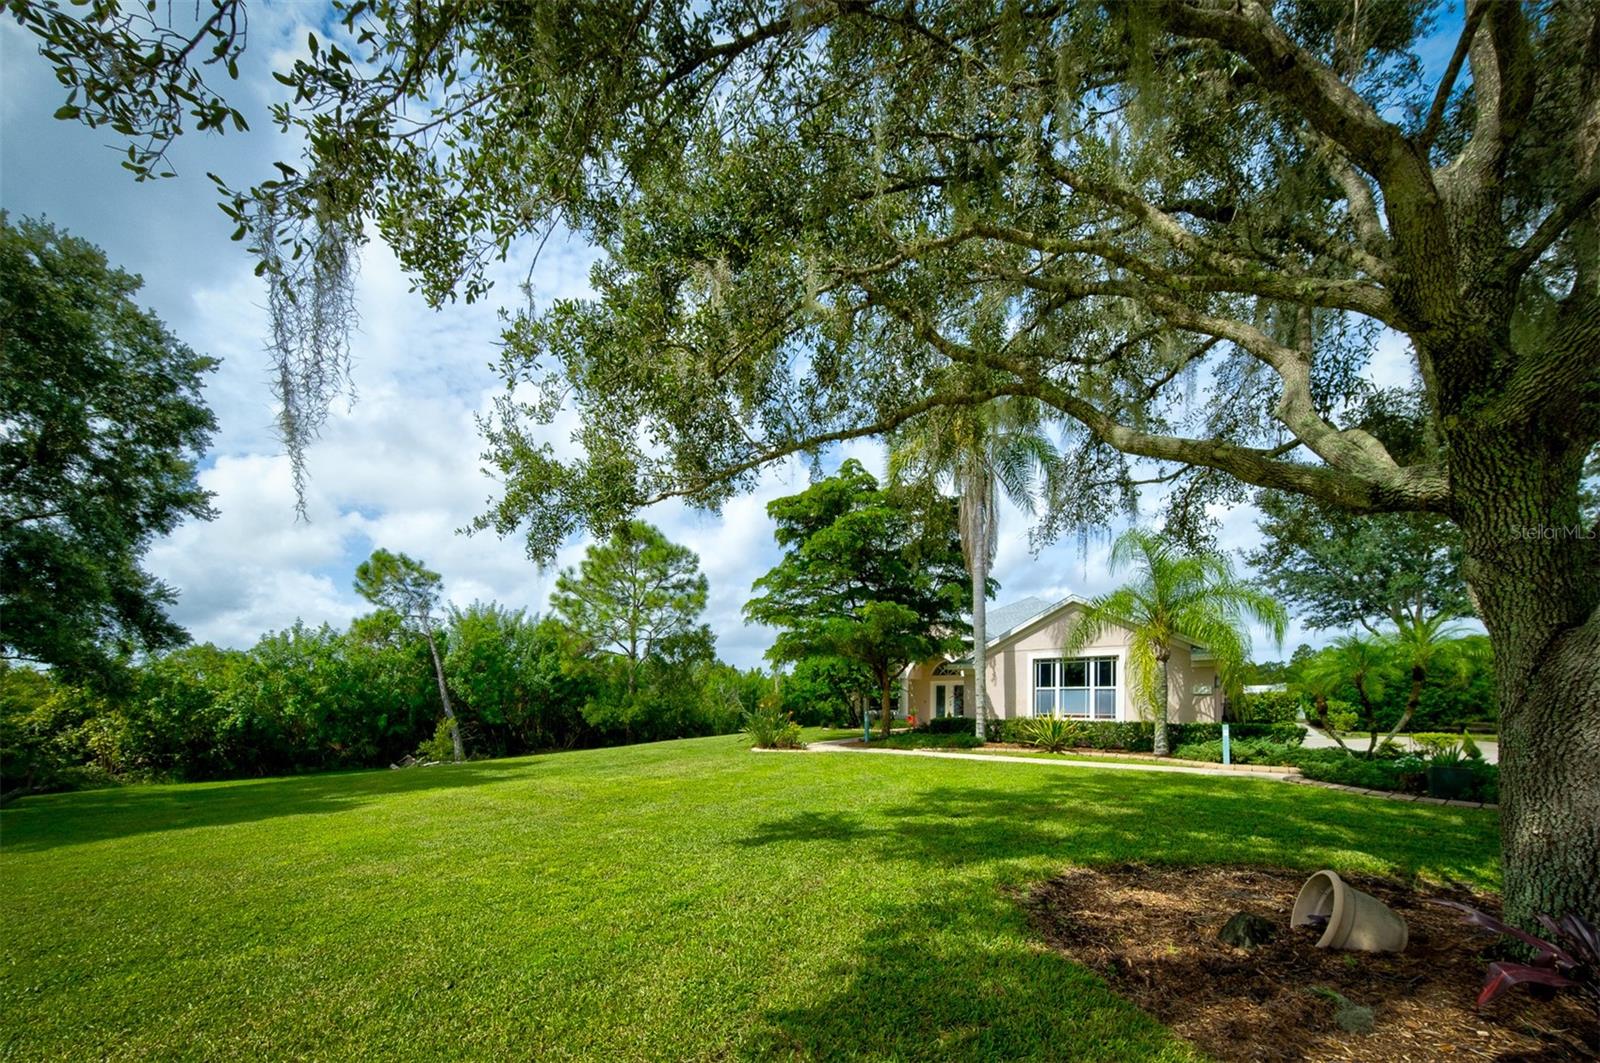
(1269, 706)
(1354, 771)
(1433, 743)
(921, 739)
(440, 747)
(1051, 734)
(1485, 781)
(828, 691)
(1406, 772)
(1139, 736)
(769, 727)
(1242, 751)
(1282, 732)
(949, 725)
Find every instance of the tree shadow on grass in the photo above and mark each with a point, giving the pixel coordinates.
(812, 827)
(960, 980)
(959, 975)
(49, 821)
(1098, 819)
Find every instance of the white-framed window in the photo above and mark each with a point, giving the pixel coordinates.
(1081, 687)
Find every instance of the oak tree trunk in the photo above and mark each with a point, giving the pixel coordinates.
(1534, 572)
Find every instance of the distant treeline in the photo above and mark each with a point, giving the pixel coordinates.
(309, 699)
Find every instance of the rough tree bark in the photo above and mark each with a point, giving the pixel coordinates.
(1530, 563)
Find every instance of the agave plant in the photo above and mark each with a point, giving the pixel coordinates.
(1568, 959)
(1050, 733)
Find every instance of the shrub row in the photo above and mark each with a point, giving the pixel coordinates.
(1133, 736)
(1407, 773)
(1241, 751)
(948, 725)
(1251, 743)
(1390, 770)
(1269, 706)
(929, 739)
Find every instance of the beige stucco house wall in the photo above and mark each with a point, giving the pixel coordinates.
(1032, 631)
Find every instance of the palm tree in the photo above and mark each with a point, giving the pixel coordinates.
(1419, 648)
(1175, 595)
(980, 450)
(1361, 662)
(1427, 645)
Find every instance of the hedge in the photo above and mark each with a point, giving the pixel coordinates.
(1270, 706)
(1139, 736)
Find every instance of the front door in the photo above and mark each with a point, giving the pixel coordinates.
(949, 699)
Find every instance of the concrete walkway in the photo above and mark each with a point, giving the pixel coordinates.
(1241, 771)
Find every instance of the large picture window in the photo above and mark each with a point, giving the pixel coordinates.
(1081, 687)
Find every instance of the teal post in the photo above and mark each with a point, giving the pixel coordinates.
(1227, 750)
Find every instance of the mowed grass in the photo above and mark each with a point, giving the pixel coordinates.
(680, 900)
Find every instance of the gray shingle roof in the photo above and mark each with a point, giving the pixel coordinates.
(1004, 619)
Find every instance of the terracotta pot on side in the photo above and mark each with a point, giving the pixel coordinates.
(1355, 919)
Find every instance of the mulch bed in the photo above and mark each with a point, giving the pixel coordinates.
(1152, 934)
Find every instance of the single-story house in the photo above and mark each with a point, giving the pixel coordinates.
(1029, 676)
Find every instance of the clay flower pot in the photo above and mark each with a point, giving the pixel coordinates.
(1355, 919)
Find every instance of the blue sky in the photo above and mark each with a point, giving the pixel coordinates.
(400, 467)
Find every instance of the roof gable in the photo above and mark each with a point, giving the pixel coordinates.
(1008, 621)
(1004, 619)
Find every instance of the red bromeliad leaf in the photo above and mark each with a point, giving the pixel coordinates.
(1502, 976)
(1546, 953)
(1583, 937)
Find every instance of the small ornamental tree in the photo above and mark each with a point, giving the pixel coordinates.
(865, 577)
(410, 590)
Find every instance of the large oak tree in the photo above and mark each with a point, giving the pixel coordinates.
(102, 426)
(1181, 223)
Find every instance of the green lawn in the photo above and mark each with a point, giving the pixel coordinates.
(685, 899)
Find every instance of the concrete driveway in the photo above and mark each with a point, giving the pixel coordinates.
(1315, 739)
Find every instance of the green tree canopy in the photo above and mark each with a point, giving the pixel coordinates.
(864, 576)
(1340, 568)
(635, 597)
(511, 672)
(101, 426)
